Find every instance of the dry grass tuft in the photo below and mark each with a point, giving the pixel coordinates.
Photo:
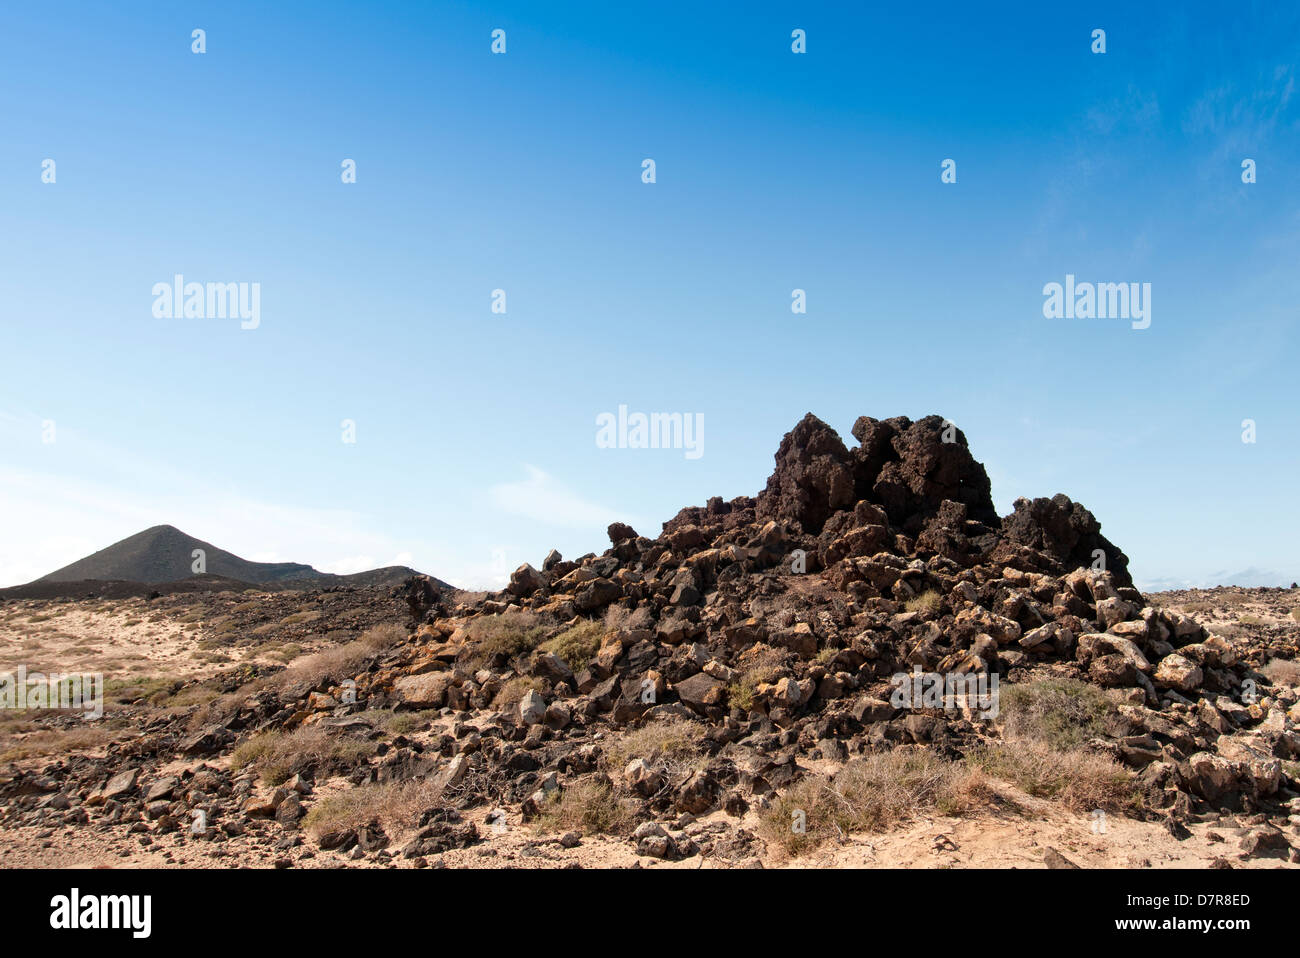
(394, 805)
(576, 646)
(871, 794)
(508, 634)
(1061, 713)
(670, 747)
(928, 603)
(1283, 672)
(275, 755)
(343, 661)
(589, 808)
(1078, 779)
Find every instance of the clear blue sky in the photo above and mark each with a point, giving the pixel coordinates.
(475, 431)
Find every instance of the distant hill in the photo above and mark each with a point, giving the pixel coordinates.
(165, 554)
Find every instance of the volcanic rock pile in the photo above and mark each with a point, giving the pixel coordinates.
(818, 572)
(774, 625)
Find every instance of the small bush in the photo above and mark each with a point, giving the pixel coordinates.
(927, 603)
(590, 808)
(1060, 713)
(299, 618)
(276, 755)
(138, 688)
(759, 664)
(59, 741)
(576, 646)
(514, 690)
(871, 794)
(741, 695)
(402, 723)
(670, 747)
(1079, 779)
(1283, 672)
(508, 633)
(395, 805)
(343, 661)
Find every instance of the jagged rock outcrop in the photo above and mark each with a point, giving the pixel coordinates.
(912, 468)
(813, 478)
(1067, 532)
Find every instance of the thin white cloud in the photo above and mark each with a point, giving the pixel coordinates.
(542, 498)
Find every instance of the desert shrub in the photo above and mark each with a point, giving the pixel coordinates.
(870, 794)
(299, 618)
(138, 688)
(1079, 779)
(1060, 713)
(590, 808)
(275, 755)
(43, 742)
(670, 747)
(1283, 672)
(576, 646)
(927, 603)
(343, 661)
(758, 664)
(741, 695)
(193, 695)
(402, 723)
(395, 805)
(507, 633)
(514, 690)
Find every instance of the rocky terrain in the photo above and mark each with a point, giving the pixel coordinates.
(726, 694)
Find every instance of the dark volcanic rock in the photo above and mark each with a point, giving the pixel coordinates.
(1066, 531)
(618, 531)
(912, 467)
(813, 477)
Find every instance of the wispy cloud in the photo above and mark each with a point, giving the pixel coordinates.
(543, 498)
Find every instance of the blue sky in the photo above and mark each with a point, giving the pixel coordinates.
(475, 432)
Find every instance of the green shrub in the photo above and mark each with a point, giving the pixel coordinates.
(1060, 713)
(576, 646)
(508, 633)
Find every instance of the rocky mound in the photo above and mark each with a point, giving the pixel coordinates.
(776, 628)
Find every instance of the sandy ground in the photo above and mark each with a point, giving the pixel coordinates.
(983, 840)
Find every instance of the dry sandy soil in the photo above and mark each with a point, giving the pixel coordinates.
(171, 656)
